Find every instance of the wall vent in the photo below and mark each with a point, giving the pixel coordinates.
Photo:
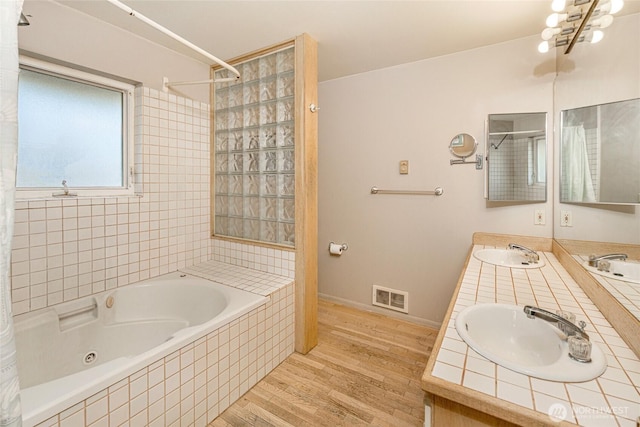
(390, 298)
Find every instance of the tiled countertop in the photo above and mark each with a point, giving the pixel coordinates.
(613, 399)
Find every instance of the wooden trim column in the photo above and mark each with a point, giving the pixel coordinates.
(306, 194)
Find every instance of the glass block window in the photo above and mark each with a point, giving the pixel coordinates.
(254, 150)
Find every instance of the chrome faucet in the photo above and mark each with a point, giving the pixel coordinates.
(568, 327)
(594, 260)
(532, 255)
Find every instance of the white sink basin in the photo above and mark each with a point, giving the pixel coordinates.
(506, 258)
(627, 271)
(505, 335)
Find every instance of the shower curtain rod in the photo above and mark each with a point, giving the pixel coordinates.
(185, 42)
(518, 132)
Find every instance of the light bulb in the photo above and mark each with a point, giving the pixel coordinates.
(596, 36)
(555, 18)
(592, 36)
(558, 5)
(602, 22)
(548, 33)
(612, 6)
(543, 47)
(552, 20)
(616, 6)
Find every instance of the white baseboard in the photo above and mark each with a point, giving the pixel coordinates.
(389, 313)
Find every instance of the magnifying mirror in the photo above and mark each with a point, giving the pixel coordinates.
(463, 145)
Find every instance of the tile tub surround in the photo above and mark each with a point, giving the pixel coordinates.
(458, 373)
(71, 248)
(68, 249)
(193, 385)
(265, 258)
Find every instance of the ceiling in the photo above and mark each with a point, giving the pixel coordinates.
(353, 36)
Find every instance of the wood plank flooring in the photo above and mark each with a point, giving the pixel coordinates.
(365, 370)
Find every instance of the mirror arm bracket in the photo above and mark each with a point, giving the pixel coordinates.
(478, 162)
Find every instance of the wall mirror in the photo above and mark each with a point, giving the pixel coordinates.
(462, 146)
(517, 157)
(600, 76)
(600, 154)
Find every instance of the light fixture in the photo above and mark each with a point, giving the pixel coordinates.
(575, 21)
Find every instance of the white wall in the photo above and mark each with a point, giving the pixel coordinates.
(369, 122)
(63, 33)
(596, 74)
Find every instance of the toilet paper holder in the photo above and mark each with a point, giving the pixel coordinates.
(336, 248)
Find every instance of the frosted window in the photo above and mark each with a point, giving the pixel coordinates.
(254, 151)
(70, 131)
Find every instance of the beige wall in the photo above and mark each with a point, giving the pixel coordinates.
(65, 34)
(606, 72)
(368, 122)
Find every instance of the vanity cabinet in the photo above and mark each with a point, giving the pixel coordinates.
(445, 412)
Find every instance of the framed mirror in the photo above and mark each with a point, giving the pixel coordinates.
(517, 157)
(600, 154)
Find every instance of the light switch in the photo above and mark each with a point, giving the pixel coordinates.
(404, 167)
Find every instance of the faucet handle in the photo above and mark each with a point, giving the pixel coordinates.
(603, 265)
(579, 349)
(582, 324)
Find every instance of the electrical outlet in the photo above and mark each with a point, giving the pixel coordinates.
(565, 219)
(539, 217)
(404, 167)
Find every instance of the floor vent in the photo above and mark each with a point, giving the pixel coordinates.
(390, 298)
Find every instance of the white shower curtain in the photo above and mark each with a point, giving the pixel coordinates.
(576, 171)
(10, 411)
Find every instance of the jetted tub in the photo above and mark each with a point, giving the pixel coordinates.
(70, 351)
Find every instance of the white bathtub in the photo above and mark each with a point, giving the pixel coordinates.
(70, 351)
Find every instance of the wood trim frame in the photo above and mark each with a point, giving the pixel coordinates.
(306, 185)
(306, 136)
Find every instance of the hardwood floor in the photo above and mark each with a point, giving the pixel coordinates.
(365, 370)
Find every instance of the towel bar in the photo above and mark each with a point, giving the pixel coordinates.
(437, 192)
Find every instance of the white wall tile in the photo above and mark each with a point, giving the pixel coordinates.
(82, 247)
(78, 229)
